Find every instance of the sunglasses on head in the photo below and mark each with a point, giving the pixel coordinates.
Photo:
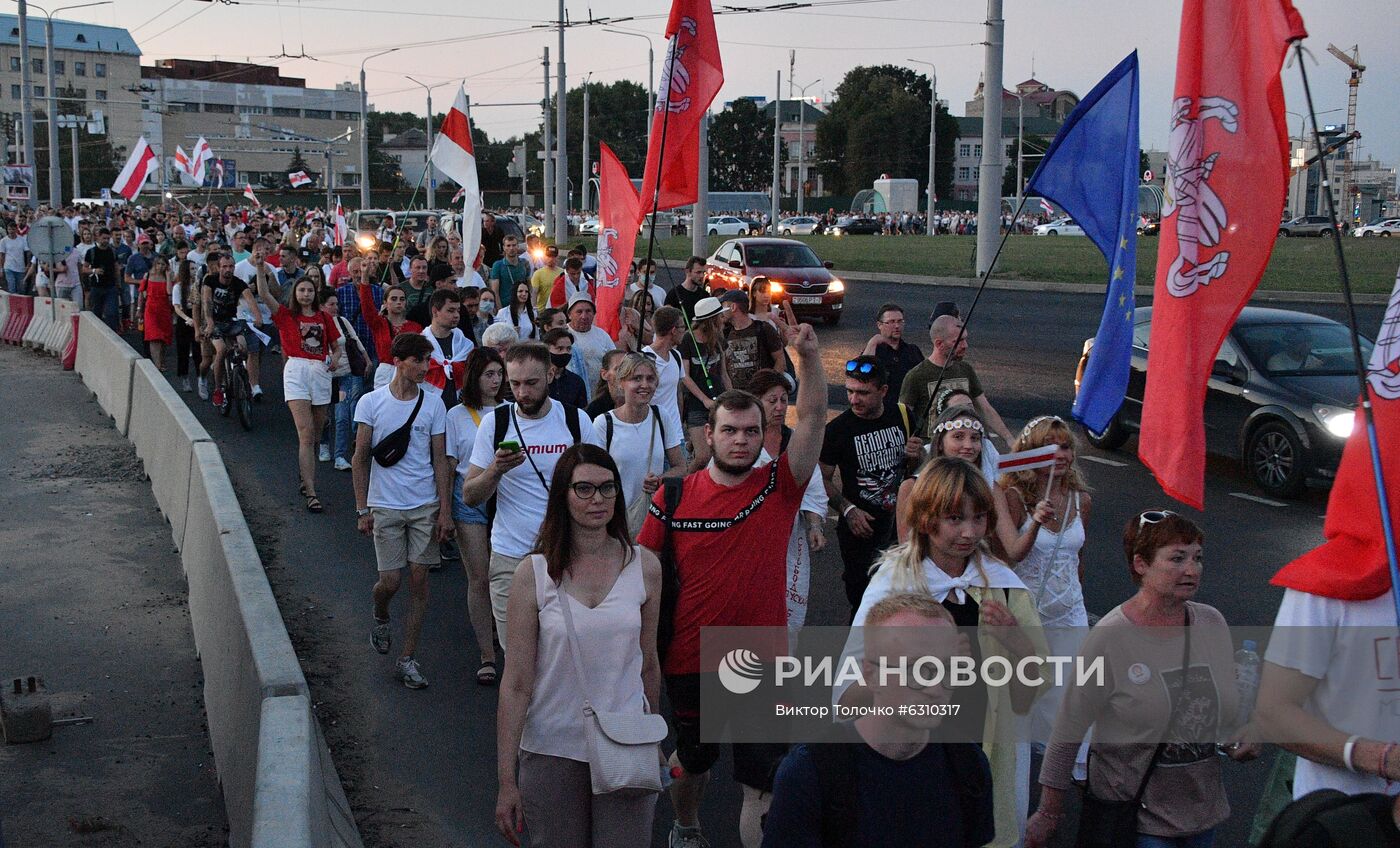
(1153, 516)
(855, 366)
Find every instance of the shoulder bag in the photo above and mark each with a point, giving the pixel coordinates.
(1114, 824)
(394, 446)
(622, 747)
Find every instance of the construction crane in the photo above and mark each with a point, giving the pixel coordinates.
(1353, 83)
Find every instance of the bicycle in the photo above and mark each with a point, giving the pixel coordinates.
(238, 390)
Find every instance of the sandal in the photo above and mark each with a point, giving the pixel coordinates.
(486, 675)
(313, 504)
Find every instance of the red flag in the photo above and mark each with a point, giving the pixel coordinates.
(619, 211)
(1227, 172)
(1351, 565)
(454, 155)
(691, 76)
(138, 166)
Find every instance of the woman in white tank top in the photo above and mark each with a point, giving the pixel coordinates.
(584, 558)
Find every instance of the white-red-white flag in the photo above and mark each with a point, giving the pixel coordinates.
(198, 157)
(342, 230)
(461, 193)
(454, 155)
(138, 167)
(299, 179)
(182, 160)
(218, 173)
(248, 193)
(1041, 457)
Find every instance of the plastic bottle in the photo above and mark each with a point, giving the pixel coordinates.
(1247, 671)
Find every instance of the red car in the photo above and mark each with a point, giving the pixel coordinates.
(794, 273)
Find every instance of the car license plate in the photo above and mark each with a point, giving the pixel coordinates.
(806, 300)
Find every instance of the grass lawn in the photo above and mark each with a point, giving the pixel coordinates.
(1297, 264)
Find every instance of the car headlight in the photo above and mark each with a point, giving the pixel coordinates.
(774, 287)
(836, 287)
(1334, 419)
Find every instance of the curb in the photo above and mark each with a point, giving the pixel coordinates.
(1082, 288)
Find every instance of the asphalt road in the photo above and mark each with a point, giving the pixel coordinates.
(420, 766)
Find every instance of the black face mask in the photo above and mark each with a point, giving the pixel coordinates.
(561, 360)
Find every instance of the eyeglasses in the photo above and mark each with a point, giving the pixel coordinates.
(855, 366)
(899, 321)
(1152, 516)
(586, 491)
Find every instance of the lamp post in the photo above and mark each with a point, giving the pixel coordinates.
(428, 131)
(651, 79)
(989, 170)
(27, 92)
(583, 202)
(801, 144)
(932, 142)
(561, 134)
(1020, 142)
(364, 128)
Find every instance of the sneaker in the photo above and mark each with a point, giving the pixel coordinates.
(407, 670)
(203, 388)
(325, 455)
(257, 394)
(186, 385)
(687, 837)
(219, 398)
(379, 637)
(342, 464)
(450, 552)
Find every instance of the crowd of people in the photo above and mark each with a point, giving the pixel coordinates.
(609, 498)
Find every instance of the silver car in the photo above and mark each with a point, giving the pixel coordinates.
(798, 226)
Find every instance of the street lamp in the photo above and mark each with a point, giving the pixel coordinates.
(55, 179)
(932, 142)
(1020, 142)
(364, 128)
(428, 131)
(651, 84)
(801, 141)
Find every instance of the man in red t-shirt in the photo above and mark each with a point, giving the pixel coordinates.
(731, 567)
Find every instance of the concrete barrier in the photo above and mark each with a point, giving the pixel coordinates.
(298, 801)
(164, 432)
(106, 363)
(21, 311)
(4, 309)
(69, 356)
(39, 324)
(57, 342)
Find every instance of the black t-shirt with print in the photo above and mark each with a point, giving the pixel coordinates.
(749, 350)
(870, 455)
(224, 296)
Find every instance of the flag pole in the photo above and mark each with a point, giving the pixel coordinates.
(991, 266)
(665, 104)
(1381, 497)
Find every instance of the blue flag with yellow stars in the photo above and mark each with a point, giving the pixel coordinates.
(1091, 170)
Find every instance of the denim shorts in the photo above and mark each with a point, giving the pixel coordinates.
(463, 513)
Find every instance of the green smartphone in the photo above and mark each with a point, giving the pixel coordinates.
(509, 445)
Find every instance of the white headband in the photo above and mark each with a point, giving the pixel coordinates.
(1039, 420)
(959, 424)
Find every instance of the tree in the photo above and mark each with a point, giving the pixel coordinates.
(98, 161)
(879, 124)
(741, 148)
(1033, 148)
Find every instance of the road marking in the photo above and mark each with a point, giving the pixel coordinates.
(1101, 461)
(1265, 501)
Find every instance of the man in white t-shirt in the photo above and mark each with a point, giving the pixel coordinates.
(667, 332)
(406, 506)
(541, 431)
(589, 340)
(248, 270)
(646, 276)
(13, 250)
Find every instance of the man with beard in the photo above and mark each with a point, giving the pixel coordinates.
(731, 568)
(517, 446)
(865, 454)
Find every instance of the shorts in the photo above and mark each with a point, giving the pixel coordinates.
(405, 536)
(306, 379)
(463, 513)
(230, 330)
(755, 763)
(696, 415)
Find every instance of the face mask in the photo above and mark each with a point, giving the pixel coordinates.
(561, 360)
(487, 308)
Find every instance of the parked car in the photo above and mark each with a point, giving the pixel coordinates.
(793, 271)
(856, 225)
(589, 227)
(1307, 225)
(803, 225)
(756, 228)
(1060, 227)
(1148, 226)
(726, 225)
(1279, 398)
(1384, 228)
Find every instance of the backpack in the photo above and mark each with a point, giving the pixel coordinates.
(655, 414)
(835, 763)
(571, 414)
(1336, 820)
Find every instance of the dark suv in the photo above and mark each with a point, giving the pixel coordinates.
(1280, 398)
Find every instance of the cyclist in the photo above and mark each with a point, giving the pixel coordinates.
(223, 291)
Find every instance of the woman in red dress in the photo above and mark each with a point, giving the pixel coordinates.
(156, 312)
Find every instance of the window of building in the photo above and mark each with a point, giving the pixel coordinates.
(184, 107)
(15, 64)
(252, 110)
(38, 65)
(284, 112)
(964, 150)
(58, 66)
(80, 69)
(964, 173)
(977, 150)
(225, 108)
(319, 113)
(99, 69)
(81, 39)
(39, 91)
(347, 116)
(15, 92)
(100, 95)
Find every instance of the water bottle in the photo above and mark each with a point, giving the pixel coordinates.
(1247, 670)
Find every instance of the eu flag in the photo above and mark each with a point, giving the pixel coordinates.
(1091, 170)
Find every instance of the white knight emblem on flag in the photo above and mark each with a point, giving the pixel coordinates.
(1384, 369)
(607, 266)
(675, 76)
(1201, 216)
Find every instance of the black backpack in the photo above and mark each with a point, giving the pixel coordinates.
(655, 414)
(1331, 819)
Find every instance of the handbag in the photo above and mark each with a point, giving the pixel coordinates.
(1114, 824)
(622, 747)
(354, 350)
(394, 446)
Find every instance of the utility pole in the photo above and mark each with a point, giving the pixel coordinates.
(801, 144)
(584, 204)
(561, 134)
(989, 171)
(932, 144)
(548, 201)
(651, 74)
(77, 181)
(1020, 144)
(428, 143)
(55, 179)
(700, 209)
(27, 94)
(364, 129)
(777, 143)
